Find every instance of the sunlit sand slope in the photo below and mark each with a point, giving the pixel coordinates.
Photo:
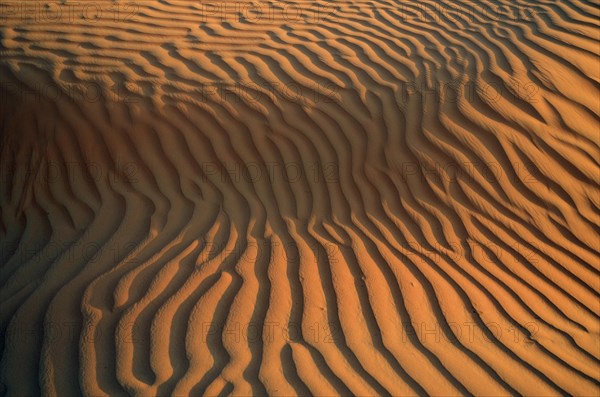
(300, 198)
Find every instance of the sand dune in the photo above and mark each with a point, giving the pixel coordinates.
(300, 198)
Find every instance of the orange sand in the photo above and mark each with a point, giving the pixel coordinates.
(300, 198)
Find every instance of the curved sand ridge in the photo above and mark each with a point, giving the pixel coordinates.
(385, 198)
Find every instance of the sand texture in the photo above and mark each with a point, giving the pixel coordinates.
(303, 197)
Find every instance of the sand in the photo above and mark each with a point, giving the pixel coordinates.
(300, 198)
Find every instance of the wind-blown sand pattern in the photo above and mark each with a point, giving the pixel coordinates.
(325, 198)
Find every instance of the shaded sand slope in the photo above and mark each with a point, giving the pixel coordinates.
(385, 198)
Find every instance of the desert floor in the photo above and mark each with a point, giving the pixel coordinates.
(300, 197)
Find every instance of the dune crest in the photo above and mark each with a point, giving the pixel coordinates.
(300, 198)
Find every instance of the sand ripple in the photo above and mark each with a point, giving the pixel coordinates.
(300, 198)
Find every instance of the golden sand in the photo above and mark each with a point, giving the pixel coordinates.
(300, 197)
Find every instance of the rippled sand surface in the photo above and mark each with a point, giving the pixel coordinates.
(300, 198)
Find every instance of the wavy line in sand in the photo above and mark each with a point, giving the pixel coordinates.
(385, 199)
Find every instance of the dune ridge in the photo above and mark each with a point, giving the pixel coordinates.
(365, 198)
